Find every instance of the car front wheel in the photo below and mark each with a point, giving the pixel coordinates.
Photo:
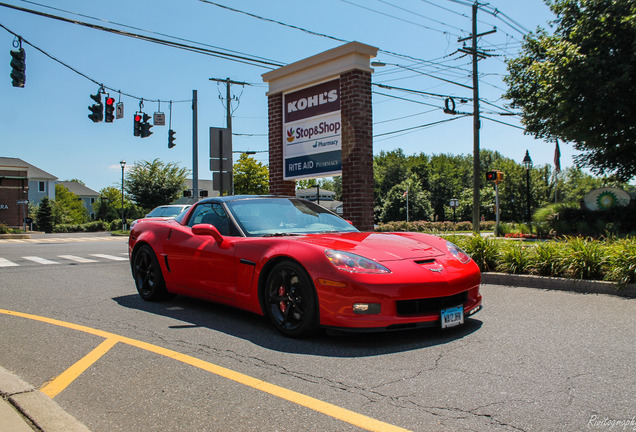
(290, 299)
(147, 275)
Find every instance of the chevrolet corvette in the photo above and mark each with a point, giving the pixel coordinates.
(303, 267)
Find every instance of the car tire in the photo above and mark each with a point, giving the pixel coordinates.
(290, 299)
(148, 277)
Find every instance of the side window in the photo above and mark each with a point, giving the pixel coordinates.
(213, 214)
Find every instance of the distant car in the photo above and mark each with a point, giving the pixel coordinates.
(303, 266)
(169, 211)
(165, 212)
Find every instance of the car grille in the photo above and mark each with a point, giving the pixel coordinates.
(430, 305)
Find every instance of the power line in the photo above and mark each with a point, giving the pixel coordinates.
(405, 99)
(253, 61)
(86, 76)
(419, 92)
(311, 32)
(420, 126)
(142, 29)
(406, 116)
(504, 123)
(397, 18)
(419, 15)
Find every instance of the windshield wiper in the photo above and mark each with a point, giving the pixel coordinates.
(281, 234)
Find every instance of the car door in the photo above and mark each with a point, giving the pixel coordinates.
(198, 262)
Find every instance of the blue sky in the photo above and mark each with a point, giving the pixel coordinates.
(46, 122)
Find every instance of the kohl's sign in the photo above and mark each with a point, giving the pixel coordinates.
(312, 132)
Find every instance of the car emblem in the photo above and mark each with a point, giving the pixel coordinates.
(437, 269)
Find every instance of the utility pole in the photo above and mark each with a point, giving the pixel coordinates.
(228, 97)
(195, 147)
(476, 54)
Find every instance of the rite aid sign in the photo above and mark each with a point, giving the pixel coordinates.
(312, 145)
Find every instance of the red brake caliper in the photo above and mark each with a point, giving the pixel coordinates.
(282, 304)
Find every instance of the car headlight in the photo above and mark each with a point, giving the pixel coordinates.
(461, 256)
(354, 263)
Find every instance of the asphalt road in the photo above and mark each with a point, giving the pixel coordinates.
(532, 360)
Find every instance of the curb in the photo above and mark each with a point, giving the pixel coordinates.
(23, 408)
(15, 236)
(559, 284)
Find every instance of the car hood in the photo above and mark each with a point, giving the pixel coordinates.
(377, 246)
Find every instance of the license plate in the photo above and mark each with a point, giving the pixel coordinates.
(452, 316)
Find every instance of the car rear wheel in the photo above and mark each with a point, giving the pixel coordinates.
(290, 299)
(148, 277)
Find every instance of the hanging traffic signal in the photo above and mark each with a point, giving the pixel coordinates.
(97, 109)
(145, 126)
(109, 114)
(137, 125)
(18, 66)
(171, 134)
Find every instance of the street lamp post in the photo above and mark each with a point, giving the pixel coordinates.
(123, 221)
(317, 186)
(527, 163)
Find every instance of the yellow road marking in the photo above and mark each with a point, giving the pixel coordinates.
(331, 410)
(54, 387)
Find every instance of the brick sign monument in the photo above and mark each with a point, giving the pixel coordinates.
(320, 125)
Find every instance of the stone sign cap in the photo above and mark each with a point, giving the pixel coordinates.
(320, 67)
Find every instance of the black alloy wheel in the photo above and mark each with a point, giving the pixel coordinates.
(290, 299)
(148, 277)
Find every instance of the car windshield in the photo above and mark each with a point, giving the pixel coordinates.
(285, 216)
(165, 212)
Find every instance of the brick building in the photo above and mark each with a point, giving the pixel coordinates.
(21, 183)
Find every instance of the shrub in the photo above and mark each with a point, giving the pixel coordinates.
(116, 225)
(513, 258)
(583, 258)
(483, 250)
(86, 227)
(546, 259)
(433, 227)
(621, 261)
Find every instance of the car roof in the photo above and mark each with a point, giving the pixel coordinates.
(173, 205)
(228, 198)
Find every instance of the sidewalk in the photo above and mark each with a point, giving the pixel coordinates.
(23, 408)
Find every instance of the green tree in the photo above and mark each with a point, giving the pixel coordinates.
(250, 176)
(44, 215)
(68, 208)
(395, 202)
(151, 184)
(579, 84)
(108, 206)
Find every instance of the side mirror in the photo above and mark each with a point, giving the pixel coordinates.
(209, 230)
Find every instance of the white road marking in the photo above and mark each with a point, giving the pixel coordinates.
(77, 259)
(110, 257)
(40, 260)
(6, 263)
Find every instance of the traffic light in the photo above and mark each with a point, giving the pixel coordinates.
(109, 114)
(137, 125)
(145, 126)
(171, 134)
(495, 176)
(18, 66)
(97, 109)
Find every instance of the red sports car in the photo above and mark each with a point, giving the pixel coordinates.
(303, 266)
